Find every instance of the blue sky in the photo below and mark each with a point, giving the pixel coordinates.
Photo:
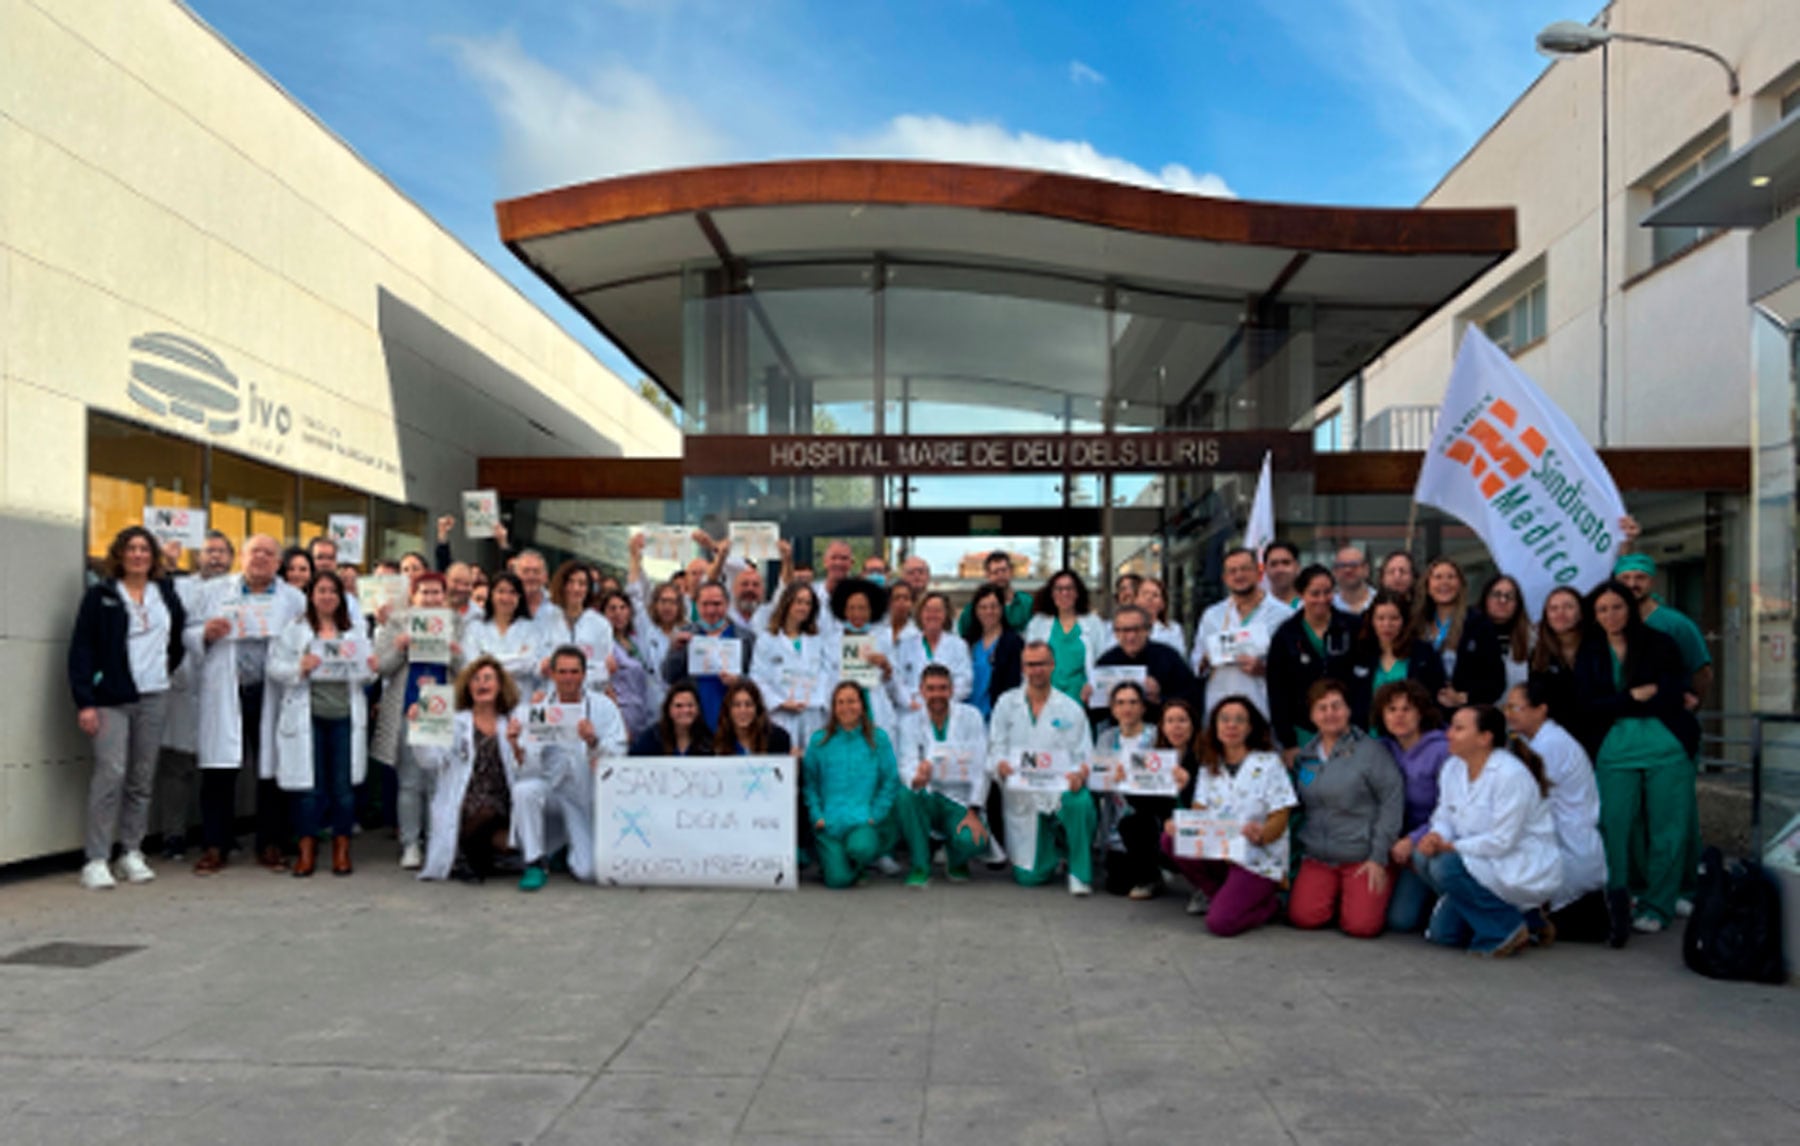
(462, 102)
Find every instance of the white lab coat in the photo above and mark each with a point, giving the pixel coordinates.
(290, 694)
(966, 732)
(181, 728)
(1095, 635)
(1575, 807)
(772, 657)
(219, 743)
(1502, 828)
(952, 652)
(885, 699)
(591, 633)
(1062, 726)
(519, 649)
(1227, 679)
(453, 767)
(561, 775)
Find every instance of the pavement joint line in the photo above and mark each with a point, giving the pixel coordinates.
(601, 1072)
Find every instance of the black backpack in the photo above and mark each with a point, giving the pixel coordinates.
(1735, 931)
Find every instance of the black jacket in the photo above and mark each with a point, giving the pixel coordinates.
(1600, 703)
(1558, 682)
(1293, 667)
(1480, 661)
(1169, 668)
(1422, 664)
(1005, 675)
(99, 662)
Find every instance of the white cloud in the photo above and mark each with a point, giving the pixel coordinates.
(1080, 73)
(557, 130)
(934, 137)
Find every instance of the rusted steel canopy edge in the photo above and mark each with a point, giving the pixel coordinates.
(1197, 451)
(1050, 195)
(1710, 470)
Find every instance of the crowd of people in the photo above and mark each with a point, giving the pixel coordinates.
(1395, 754)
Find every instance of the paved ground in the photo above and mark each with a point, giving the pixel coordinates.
(377, 1010)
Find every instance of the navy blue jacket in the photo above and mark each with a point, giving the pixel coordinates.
(99, 662)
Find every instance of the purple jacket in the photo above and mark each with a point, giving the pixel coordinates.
(1420, 768)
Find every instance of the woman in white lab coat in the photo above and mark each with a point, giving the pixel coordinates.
(793, 665)
(1491, 853)
(471, 808)
(859, 607)
(933, 643)
(565, 619)
(508, 633)
(321, 726)
(1578, 909)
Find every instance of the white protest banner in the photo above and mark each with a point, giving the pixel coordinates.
(853, 660)
(668, 542)
(340, 658)
(1150, 773)
(553, 723)
(349, 531)
(173, 523)
(1041, 771)
(432, 724)
(715, 656)
(1108, 677)
(1515, 469)
(756, 540)
(377, 591)
(684, 821)
(428, 633)
(481, 513)
(1203, 837)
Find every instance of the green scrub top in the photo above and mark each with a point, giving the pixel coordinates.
(1382, 677)
(1687, 636)
(1071, 659)
(1638, 742)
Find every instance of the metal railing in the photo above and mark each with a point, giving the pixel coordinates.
(1716, 754)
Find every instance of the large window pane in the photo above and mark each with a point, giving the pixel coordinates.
(398, 529)
(249, 498)
(130, 468)
(320, 499)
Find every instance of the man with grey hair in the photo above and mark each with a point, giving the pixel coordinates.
(175, 763)
(1044, 828)
(1354, 593)
(534, 573)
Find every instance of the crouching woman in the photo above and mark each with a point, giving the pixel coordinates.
(851, 783)
(471, 808)
(1491, 854)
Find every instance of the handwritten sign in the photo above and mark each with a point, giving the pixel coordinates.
(378, 591)
(715, 656)
(668, 542)
(1150, 773)
(481, 513)
(428, 633)
(432, 724)
(349, 531)
(682, 821)
(340, 658)
(1041, 771)
(1108, 677)
(171, 523)
(553, 723)
(1203, 837)
(853, 660)
(756, 540)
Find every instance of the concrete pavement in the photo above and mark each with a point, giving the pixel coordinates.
(264, 1009)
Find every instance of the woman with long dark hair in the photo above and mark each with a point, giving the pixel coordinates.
(1561, 629)
(679, 730)
(1061, 618)
(1464, 638)
(994, 649)
(1503, 604)
(745, 727)
(629, 675)
(851, 782)
(297, 567)
(1387, 651)
(1177, 731)
(793, 664)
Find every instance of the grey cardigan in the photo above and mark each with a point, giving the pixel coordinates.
(1354, 800)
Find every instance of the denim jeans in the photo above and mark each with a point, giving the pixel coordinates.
(332, 795)
(1467, 914)
(1410, 904)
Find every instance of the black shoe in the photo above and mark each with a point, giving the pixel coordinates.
(175, 848)
(1618, 918)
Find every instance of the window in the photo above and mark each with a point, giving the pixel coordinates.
(249, 498)
(1790, 102)
(1667, 242)
(320, 499)
(1327, 434)
(1520, 321)
(131, 468)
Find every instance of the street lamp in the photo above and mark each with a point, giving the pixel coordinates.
(1573, 38)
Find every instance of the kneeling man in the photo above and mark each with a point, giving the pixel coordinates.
(933, 800)
(559, 774)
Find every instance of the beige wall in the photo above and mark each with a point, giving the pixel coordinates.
(1679, 345)
(151, 179)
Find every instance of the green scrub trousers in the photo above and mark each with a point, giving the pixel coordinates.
(844, 855)
(918, 815)
(1068, 834)
(1646, 781)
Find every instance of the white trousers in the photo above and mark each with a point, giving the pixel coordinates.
(571, 798)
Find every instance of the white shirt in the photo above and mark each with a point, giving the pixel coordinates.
(1502, 828)
(147, 638)
(911, 657)
(518, 650)
(965, 731)
(1575, 807)
(1260, 788)
(1338, 602)
(591, 633)
(1062, 726)
(1228, 679)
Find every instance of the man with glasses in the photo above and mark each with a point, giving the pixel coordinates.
(1044, 827)
(1166, 675)
(1232, 643)
(999, 569)
(1353, 589)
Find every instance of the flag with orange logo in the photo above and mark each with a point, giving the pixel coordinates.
(1515, 469)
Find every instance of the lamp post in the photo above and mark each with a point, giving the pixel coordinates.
(1573, 38)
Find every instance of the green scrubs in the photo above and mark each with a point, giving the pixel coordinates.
(1070, 650)
(919, 815)
(1069, 833)
(1681, 629)
(1646, 781)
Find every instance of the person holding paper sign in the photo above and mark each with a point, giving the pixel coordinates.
(858, 606)
(1141, 831)
(1125, 733)
(851, 783)
(793, 665)
(1239, 779)
(181, 733)
(126, 647)
(931, 801)
(714, 621)
(1062, 619)
(1313, 644)
(403, 674)
(559, 774)
(471, 804)
(1043, 829)
(933, 643)
(1354, 799)
(228, 632)
(567, 620)
(1166, 674)
(508, 632)
(1231, 645)
(1386, 652)
(321, 727)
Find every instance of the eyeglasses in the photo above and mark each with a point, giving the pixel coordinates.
(1504, 595)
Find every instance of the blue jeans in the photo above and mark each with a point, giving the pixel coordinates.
(1467, 914)
(332, 794)
(1411, 902)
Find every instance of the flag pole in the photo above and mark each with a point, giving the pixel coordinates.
(1412, 522)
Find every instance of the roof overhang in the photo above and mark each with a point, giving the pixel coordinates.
(1753, 187)
(616, 249)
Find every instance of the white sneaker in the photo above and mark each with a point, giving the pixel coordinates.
(1199, 903)
(133, 869)
(411, 857)
(1684, 908)
(1646, 925)
(888, 866)
(1079, 889)
(96, 876)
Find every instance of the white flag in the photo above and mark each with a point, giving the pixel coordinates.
(1513, 467)
(1261, 529)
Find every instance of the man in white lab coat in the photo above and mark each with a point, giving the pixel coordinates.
(559, 774)
(1044, 828)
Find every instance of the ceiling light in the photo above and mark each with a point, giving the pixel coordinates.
(1759, 181)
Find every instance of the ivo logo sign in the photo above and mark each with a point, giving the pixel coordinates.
(175, 376)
